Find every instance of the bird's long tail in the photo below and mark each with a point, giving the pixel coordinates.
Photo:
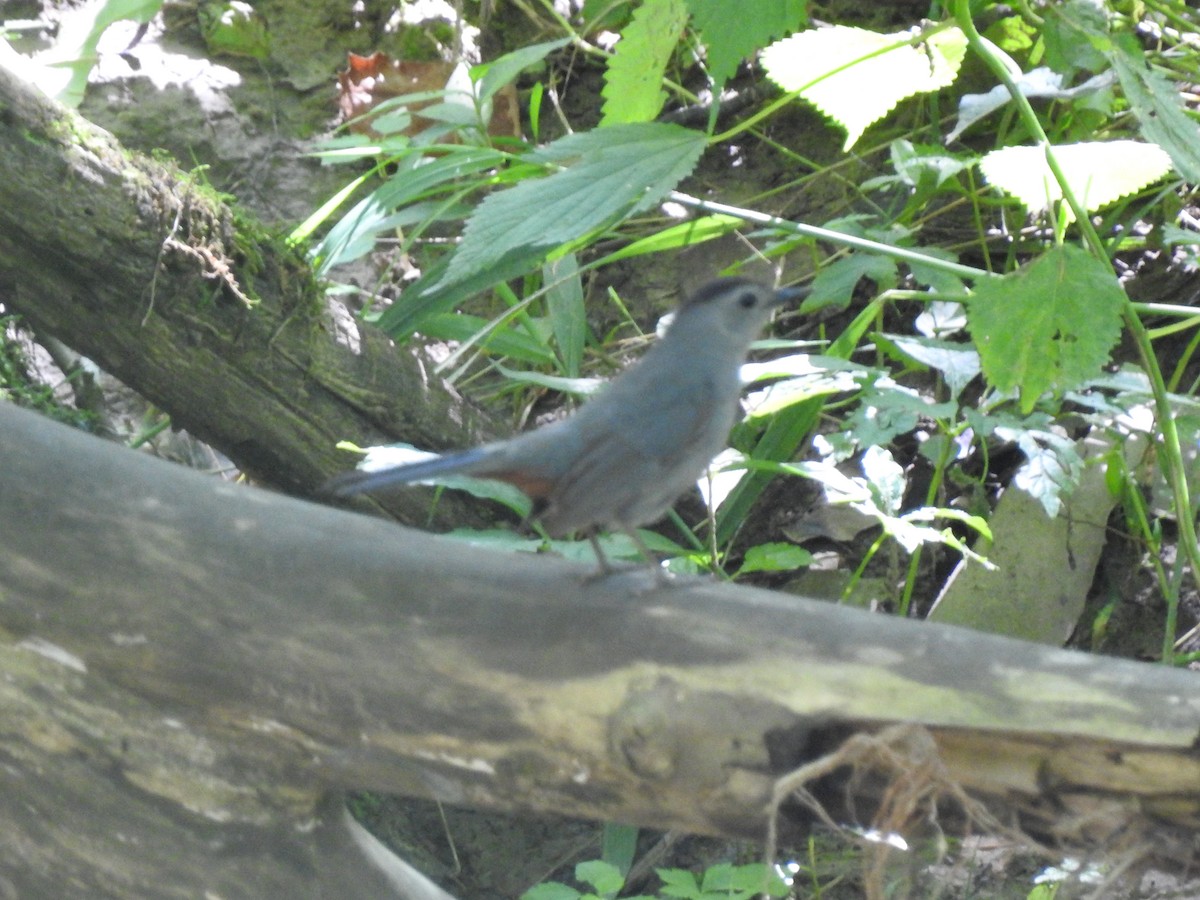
(361, 481)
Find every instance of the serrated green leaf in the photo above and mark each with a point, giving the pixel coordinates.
(1050, 325)
(855, 77)
(731, 38)
(678, 883)
(835, 283)
(633, 90)
(1098, 172)
(604, 877)
(1070, 32)
(718, 877)
(1159, 109)
(677, 877)
(609, 173)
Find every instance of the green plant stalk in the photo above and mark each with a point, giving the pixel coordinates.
(1172, 453)
(931, 495)
(1136, 506)
(1184, 360)
(149, 433)
(858, 573)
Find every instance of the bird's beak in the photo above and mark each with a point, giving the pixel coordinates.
(788, 295)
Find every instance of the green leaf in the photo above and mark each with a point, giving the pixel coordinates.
(1070, 32)
(609, 173)
(67, 64)
(918, 163)
(775, 557)
(1159, 109)
(354, 235)
(611, 15)
(855, 77)
(1050, 325)
(579, 387)
(551, 890)
(568, 317)
(936, 277)
(758, 877)
(835, 283)
(686, 234)
(1097, 172)
(436, 291)
(604, 877)
(235, 29)
(1052, 467)
(729, 882)
(633, 89)
(958, 363)
(501, 341)
(678, 883)
(731, 38)
(491, 76)
(801, 377)
(619, 844)
(886, 479)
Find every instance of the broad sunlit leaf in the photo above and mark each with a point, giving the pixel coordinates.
(1098, 173)
(855, 77)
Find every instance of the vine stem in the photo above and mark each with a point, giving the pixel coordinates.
(1171, 452)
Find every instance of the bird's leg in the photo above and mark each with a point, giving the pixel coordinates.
(661, 575)
(605, 566)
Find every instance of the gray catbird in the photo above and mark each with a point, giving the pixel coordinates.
(629, 453)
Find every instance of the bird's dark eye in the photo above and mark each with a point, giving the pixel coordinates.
(747, 300)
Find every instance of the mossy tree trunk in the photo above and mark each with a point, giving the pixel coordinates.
(151, 275)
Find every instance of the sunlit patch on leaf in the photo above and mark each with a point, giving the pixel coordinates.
(1098, 173)
(855, 77)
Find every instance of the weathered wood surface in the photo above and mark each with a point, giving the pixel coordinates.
(192, 670)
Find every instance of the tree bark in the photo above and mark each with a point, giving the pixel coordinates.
(160, 282)
(193, 669)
